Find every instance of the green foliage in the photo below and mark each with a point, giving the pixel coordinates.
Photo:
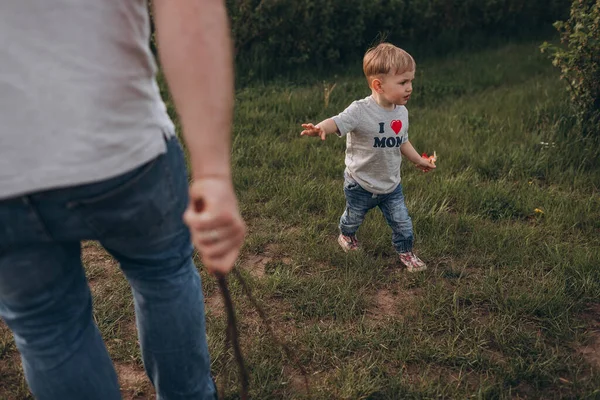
(272, 34)
(579, 61)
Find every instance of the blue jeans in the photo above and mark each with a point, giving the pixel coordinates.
(46, 302)
(359, 201)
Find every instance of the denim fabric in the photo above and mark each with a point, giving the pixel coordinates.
(359, 201)
(46, 301)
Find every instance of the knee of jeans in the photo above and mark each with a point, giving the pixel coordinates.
(355, 215)
(400, 216)
(404, 227)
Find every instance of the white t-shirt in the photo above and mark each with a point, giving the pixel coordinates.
(373, 139)
(78, 98)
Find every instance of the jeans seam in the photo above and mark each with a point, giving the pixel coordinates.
(169, 169)
(38, 217)
(141, 174)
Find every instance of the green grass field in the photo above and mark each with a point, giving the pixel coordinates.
(509, 225)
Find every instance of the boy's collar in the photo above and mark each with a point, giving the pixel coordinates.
(372, 97)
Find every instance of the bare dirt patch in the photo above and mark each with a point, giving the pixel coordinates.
(418, 375)
(258, 264)
(286, 260)
(98, 265)
(295, 380)
(129, 330)
(214, 305)
(126, 331)
(12, 384)
(134, 382)
(388, 304)
(277, 314)
(385, 304)
(95, 257)
(591, 351)
(255, 264)
(12, 381)
(293, 230)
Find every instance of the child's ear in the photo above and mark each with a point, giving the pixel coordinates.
(376, 85)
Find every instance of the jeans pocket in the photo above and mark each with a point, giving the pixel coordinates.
(136, 204)
(350, 184)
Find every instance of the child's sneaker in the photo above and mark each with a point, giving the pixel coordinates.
(412, 262)
(348, 243)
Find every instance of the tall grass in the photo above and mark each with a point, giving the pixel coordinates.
(509, 225)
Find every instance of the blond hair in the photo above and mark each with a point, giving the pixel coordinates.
(386, 58)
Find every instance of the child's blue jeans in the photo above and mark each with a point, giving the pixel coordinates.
(359, 201)
(45, 298)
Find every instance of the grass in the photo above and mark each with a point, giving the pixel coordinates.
(508, 224)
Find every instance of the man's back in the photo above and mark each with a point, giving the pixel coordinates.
(79, 102)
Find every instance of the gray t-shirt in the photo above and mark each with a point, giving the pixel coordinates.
(373, 139)
(78, 98)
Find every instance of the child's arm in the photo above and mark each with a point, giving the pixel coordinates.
(409, 152)
(321, 129)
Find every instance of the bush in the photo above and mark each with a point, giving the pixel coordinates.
(279, 34)
(579, 61)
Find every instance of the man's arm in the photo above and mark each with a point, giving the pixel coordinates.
(194, 47)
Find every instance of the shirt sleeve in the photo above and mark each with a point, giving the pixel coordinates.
(348, 119)
(405, 136)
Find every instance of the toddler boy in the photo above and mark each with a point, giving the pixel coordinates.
(376, 130)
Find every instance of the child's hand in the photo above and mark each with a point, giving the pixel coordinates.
(424, 165)
(427, 163)
(313, 130)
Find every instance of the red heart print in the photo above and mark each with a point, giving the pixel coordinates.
(396, 125)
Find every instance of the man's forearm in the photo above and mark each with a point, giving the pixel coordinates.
(194, 47)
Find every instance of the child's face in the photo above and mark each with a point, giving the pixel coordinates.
(397, 88)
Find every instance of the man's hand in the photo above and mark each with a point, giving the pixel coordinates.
(313, 130)
(215, 223)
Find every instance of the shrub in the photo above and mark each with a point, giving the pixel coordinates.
(579, 61)
(276, 34)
